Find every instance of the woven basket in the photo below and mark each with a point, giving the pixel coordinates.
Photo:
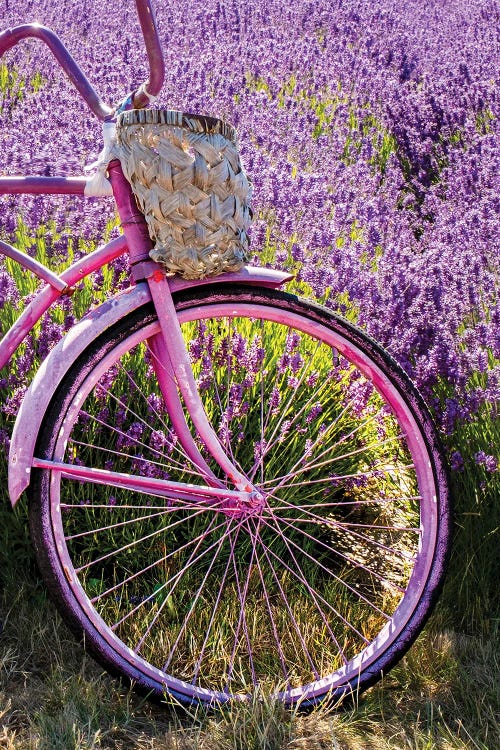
(188, 181)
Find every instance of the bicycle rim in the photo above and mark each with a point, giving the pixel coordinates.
(315, 588)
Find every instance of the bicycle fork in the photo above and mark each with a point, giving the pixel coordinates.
(172, 360)
(170, 356)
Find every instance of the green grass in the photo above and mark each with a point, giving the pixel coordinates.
(13, 87)
(443, 695)
(324, 106)
(473, 594)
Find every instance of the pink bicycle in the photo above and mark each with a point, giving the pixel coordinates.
(229, 486)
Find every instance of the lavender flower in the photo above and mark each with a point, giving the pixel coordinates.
(371, 137)
(456, 461)
(489, 462)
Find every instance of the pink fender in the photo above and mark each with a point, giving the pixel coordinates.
(58, 362)
(50, 374)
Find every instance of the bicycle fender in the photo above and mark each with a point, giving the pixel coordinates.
(58, 362)
(252, 275)
(49, 376)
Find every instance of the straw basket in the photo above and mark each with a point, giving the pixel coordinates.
(187, 178)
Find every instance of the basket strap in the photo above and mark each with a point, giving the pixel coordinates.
(143, 90)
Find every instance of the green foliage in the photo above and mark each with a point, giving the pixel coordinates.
(484, 117)
(362, 128)
(88, 293)
(13, 87)
(472, 594)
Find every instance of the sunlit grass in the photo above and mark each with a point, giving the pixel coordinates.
(443, 696)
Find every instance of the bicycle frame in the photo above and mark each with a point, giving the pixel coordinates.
(175, 375)
(151, 284)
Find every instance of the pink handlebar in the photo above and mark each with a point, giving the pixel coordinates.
(33, 30)
(7, 40)
(11, 37)
(155, 55)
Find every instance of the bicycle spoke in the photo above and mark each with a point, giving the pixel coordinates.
(289, 610)
(242, 622)
(322, 520)
(295, 470)
(186, 505)
(346, 525)
(337, 478)
(133, 577)
(334, 524)
(115, 526)
(150, 567)
(215, 607)
(128, 546)
(345, 410)
(120, 455)
(312, 466)
(139, 390)
(328, 604)
(383, 501)
(350, 560)
(197, 596)
(139, 443)
(269, 610)
(274, 438)
(320, 565)
(177, 444)
(175, 578)
(222, 410)
(313, 594)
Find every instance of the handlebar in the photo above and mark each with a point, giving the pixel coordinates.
(139, 98)
(33, 30)
(155, 56)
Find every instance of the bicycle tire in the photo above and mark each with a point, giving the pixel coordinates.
(317, 590)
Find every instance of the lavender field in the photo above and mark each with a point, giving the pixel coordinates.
(370, 132)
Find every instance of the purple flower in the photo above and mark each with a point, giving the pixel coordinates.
(259, 449)
(376, 180)
(5, 440)
(296, 362)
(489, 462)
(155, 403)
(456, 461)
(157, 440)
(274, 401)
(314, 412)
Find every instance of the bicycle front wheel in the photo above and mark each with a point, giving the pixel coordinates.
(313, 589)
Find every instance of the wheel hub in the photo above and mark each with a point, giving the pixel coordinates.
(248, 504)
